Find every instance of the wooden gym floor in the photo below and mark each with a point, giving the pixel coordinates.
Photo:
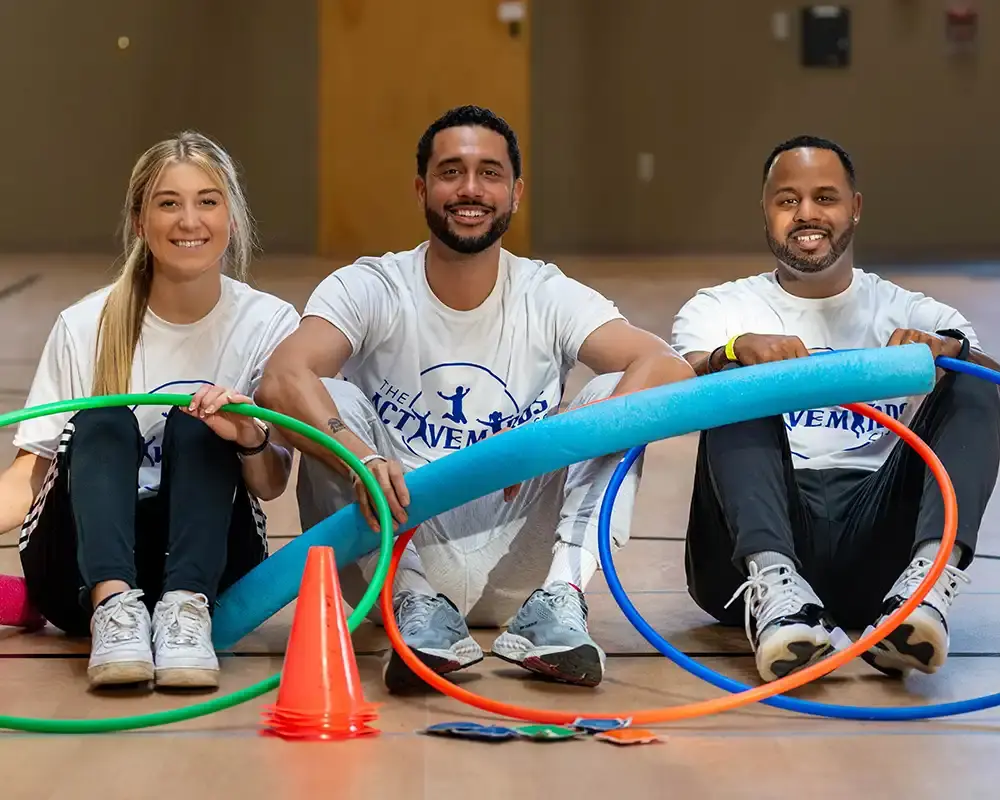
(752, 752)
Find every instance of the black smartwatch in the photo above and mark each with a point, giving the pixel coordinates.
(954, 333)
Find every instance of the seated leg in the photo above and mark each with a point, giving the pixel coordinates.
(753, 546)
(960, 420)
(429, 621)
(79, 538)
(549, 635)
(199, 526)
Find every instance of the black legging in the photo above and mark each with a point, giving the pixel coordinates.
(851, 532)
(200, 533)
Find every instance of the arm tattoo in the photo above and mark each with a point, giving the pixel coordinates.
(335, 425)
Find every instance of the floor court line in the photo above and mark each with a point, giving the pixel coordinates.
(359, 653)
(19, 286)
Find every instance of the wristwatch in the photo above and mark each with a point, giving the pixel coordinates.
(954, 333)
(252, 451)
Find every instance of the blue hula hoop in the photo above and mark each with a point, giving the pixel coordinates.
(720, 681)
(957, 365)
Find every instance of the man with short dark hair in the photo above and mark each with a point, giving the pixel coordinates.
(819, 518)
(441, 347)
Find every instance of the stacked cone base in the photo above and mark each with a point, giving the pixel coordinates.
(320, 696)
(319, 726)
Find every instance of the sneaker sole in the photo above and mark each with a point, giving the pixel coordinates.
(119, 673)
(187, 678)
(399, 678)
(797, 649)
(581, 665)
(917, 644)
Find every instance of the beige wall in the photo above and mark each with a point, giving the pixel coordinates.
(705, 88)
(77, 111)
(701, 86)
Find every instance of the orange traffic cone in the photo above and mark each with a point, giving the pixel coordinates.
(320, 695)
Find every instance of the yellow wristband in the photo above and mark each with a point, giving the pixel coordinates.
(731, 349)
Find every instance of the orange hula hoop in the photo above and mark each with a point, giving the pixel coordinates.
(720, 704)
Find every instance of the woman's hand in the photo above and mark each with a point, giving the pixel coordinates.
(242, 430)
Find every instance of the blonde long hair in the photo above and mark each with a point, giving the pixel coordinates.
(120, 323)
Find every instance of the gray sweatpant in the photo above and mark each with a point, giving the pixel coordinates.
(488, 555)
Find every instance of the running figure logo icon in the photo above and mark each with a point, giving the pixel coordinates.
(457, 404)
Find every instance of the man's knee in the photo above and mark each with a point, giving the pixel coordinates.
(346, 395)
(356, 410)
(975, 394)
(970, 409)
(597, 388)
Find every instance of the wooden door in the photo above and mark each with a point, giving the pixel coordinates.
(388, 68)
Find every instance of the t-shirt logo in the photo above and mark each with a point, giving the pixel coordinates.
(457, 415)
(832, 426)
(457, 404)
(152, 420)
(819, 432)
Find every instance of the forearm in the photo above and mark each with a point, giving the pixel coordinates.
(17, 491)
(266, 473)
(15, 503)
(652, 370)
(300, 394)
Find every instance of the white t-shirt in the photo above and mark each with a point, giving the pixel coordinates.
(441, 379)
(227, 347)
(863, 316)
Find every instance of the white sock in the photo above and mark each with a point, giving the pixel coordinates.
(929, 549)
(572, 564)
(768, 558)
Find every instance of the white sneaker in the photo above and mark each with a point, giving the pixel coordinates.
(182, 638)
(120, 650)
(785, 621)
(921, 640)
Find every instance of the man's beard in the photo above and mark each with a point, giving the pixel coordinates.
(468, 245)
(801, 263)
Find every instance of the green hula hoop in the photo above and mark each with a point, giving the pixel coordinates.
(368, 600)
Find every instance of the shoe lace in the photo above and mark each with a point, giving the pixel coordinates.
(569, 608)
(414, 612)
(123, 617)
(182, 621)
(769, 593)
(943, 593)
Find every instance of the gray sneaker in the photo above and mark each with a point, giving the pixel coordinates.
(549, 636)
(436, 632)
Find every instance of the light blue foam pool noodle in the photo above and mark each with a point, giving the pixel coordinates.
(613, 426)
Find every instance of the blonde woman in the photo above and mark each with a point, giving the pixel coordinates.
(134, 519)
